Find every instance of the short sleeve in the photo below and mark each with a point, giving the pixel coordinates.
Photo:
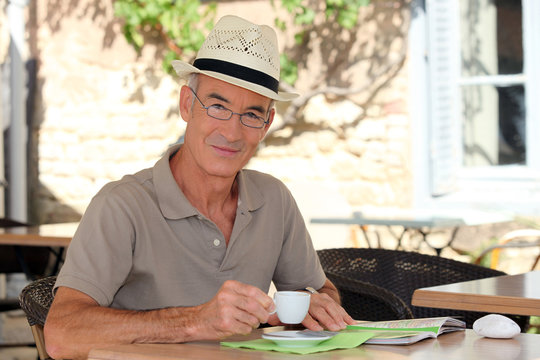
(298, 265)
(99, 257)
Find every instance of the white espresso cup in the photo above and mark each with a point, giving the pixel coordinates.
(291, 306)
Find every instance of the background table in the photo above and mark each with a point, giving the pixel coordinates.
(410, 225)
(510, 294)
(18, 242)
(40, 235)
(460, 345)
(49, 236)
(413, 222)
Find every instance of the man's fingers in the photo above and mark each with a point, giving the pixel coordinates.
(253, 307)
(337, 314)
(311, 324)
(348, 319)
(251, 292)
(243, 317)
(249, 299)
(327, 321)
(273, 320)
(328, 313)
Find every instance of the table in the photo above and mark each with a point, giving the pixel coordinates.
(419, 221)
(459, 345)
(47, 235)
(40, 235)
(509, 294)
(411, 224)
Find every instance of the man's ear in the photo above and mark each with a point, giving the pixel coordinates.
(185, 103)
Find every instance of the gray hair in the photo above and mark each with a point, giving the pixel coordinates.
(193, 81)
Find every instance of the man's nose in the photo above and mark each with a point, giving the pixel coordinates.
(232, 129)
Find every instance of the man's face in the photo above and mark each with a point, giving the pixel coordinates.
(221, 147)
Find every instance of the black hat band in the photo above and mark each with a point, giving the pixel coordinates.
(238, 71)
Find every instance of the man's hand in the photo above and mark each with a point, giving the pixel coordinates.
(237, 308)
(326, 313)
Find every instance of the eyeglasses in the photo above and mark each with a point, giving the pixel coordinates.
(219, 112)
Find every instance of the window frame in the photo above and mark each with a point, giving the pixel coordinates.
(517, 187)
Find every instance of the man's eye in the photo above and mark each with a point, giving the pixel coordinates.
(251, 115)
(218, 107)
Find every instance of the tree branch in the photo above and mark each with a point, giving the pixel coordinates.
(291, 113)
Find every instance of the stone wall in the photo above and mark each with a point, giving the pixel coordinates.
(103, 110)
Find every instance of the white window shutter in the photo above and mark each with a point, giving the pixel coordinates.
(444, 114)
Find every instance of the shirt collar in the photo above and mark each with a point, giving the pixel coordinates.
(250, 197)
(174, 204)
(172, 201)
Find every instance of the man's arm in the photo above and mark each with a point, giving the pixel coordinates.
(76, 323)
(325, 310)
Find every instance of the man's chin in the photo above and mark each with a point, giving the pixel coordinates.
(223, 173)
(224, 169)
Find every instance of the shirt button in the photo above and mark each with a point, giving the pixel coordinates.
(217, 242)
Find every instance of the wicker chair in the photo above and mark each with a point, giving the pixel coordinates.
(400, 273)
(35, 300)
(366, 301)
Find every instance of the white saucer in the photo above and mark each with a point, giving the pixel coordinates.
(295, 338)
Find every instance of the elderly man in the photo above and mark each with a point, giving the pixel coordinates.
(187, 250)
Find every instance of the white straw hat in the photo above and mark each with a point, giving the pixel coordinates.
(240, 53)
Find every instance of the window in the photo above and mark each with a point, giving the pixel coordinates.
(492, 83)
(480, 121)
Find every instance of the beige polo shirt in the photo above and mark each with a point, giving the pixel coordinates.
(142, 245)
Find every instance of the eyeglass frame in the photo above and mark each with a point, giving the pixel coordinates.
(222, 108)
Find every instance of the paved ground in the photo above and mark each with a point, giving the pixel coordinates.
(14, 329)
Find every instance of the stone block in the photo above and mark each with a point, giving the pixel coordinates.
(370, 129)
(333, 114)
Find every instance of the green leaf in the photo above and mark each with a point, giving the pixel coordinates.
(299, 38)
(280, 24)
(289, 70)
(138, 39)
(347, 19)
(306, 17)
(184, 22)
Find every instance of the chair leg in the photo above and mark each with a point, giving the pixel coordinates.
(37, 332)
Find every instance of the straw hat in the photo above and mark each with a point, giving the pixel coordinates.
(240, 53)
